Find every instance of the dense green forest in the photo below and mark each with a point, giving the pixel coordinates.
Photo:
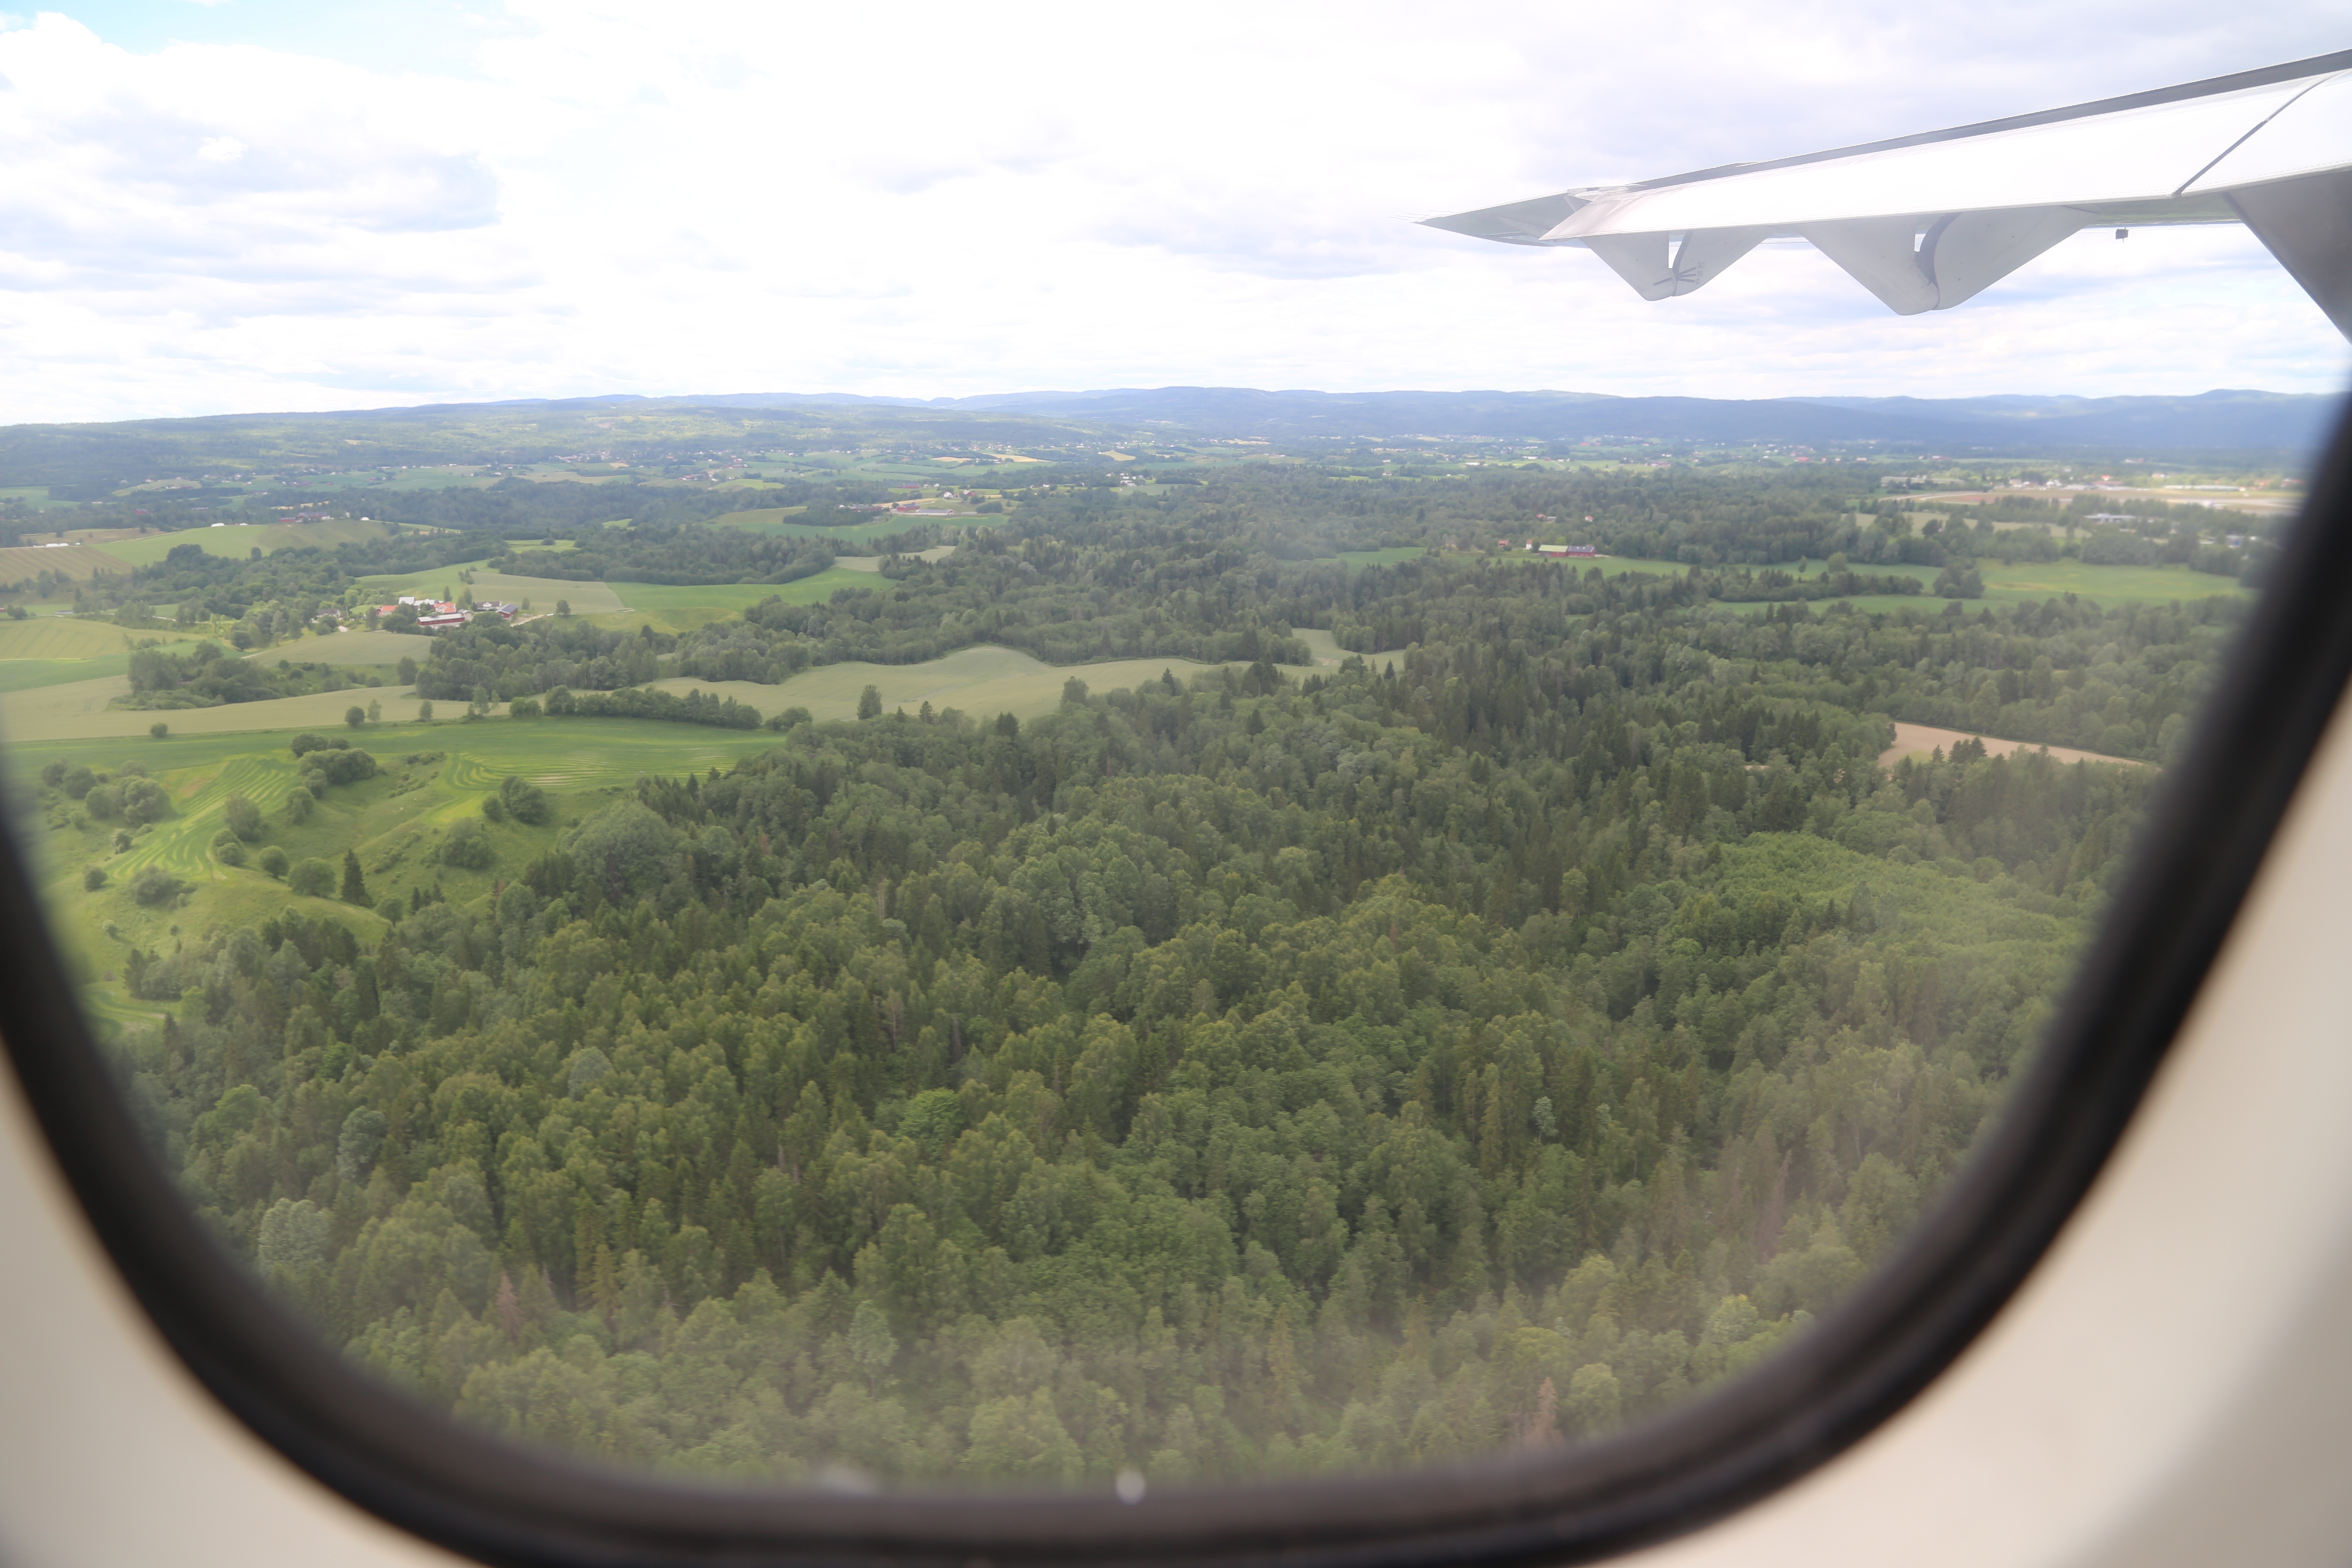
(1479, 1044)
(1486, 1034)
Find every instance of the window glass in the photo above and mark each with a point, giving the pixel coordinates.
(987, 948)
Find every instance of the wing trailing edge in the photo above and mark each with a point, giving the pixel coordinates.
(1928, 221)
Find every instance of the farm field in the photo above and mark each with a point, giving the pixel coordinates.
(586, 598)
(981, 681)
(352, 648)
(874, 562)
(776, 522)
(78, 710)
(239, 539)
(24, 674)
(1387, 557)
(78, 562)
(678, 608)
(54, 637)
(2033, 582)
(1919, 739)
(2028, 583)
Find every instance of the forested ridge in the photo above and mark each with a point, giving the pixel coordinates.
(1486, 1042)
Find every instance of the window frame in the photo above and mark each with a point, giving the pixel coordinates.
(2208, 830)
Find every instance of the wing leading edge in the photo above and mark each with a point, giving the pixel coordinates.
(1924, 222)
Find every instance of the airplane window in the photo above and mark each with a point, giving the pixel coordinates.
(1134, 950)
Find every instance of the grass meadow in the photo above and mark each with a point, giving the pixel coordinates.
(585, 598)
(239, 539)
(435, 776)
(681, 608)
(981, 681)
(54, 637)
(1387, 557)
(2027, 583)
(777, 522)
(77, 563)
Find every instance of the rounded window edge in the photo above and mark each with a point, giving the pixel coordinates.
(2199, 851)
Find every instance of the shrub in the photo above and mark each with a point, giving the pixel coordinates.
(93, 880)
(54, 774)
(355, 716)
(298, 806)
(469, 847)
(320, 769)
(244, 817)
(523, 707)
(229, 849)
(313, 878)
(304, 744)
(79, 781)
(159, 729)
(143, 801)
(155, 885)
(524, 800)
(103, 802)
(273, 860)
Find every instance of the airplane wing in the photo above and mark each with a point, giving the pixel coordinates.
(1924, 222)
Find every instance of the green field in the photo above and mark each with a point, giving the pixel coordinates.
(1388, 557)
(2027, 583)
(981, 681)
(78, 710)
(585, 598)
(775, 522)
(54, 637)
(24, 674)
(1326, 648)
(352, 648)
(238, 539)
(874, 562)
(2034, 582)
(395, 821)
(75, 563)
(670, 608)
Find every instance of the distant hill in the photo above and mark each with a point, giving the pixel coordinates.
(2275, 420)
(2212, 421)
(90, 461)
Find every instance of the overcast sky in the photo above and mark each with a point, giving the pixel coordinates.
(301, 204)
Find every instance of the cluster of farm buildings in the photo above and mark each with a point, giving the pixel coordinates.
(432, 614)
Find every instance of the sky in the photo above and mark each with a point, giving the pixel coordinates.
(279, 205)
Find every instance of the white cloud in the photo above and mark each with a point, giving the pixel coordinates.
(922, 198)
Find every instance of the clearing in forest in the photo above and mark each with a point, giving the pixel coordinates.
(982, 681)
(1919, 739)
